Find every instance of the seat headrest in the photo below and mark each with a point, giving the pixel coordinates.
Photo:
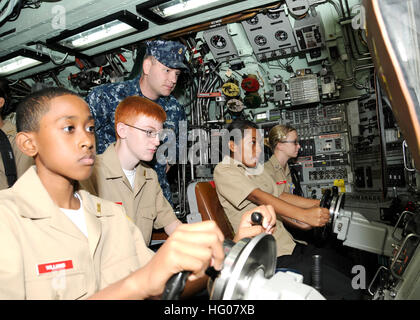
(210, 208)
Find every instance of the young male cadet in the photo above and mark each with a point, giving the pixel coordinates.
(63, 243)
(120, 174)
(162, 65)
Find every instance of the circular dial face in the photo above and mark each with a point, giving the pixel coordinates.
(235, 105)
(260, 40)
(253, 20)
(281, 35)
(218, 41)
(230, 89)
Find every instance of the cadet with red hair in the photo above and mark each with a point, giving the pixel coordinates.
(121, 176)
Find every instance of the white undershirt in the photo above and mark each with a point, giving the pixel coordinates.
(131, 176)
(77, 216)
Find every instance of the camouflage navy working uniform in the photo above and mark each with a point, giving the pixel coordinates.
(104, 99)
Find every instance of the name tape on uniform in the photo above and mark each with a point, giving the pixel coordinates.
(54, 266)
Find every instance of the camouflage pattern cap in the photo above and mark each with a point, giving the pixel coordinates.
(169, 53)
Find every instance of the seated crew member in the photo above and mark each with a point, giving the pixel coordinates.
(242, 184)
(121, 176)
(21, 161)
(283, 141)
(64, 243)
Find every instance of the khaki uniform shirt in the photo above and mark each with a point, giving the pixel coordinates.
(45, 256)
(23, 162)
(234, 184)
(280, 175)
(145, 204)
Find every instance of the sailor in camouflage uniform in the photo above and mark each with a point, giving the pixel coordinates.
(162, 65)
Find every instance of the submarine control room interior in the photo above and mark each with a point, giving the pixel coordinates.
(343, 74)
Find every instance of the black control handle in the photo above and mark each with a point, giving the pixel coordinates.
(256, 218)
(326, 199)
(175, 286)
(335, 191)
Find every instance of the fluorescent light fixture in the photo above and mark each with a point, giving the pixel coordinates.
(100, 34)
(173, 7)
(112, 27)
(17, 64)
(20, 60)
(164, 11)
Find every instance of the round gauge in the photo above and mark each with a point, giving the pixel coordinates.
(218, 42)
(254, 20)
(235, 105)
(281, 35)
(260, 40)
(230, 89)
(273, 15)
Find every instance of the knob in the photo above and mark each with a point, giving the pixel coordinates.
(256, 218)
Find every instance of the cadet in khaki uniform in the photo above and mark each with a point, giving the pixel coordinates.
(283, 141)
(22, 161)
(35, 228)
(63, 243)
(234, 182)
(120, 175)
(281, 175)
(241, 183)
